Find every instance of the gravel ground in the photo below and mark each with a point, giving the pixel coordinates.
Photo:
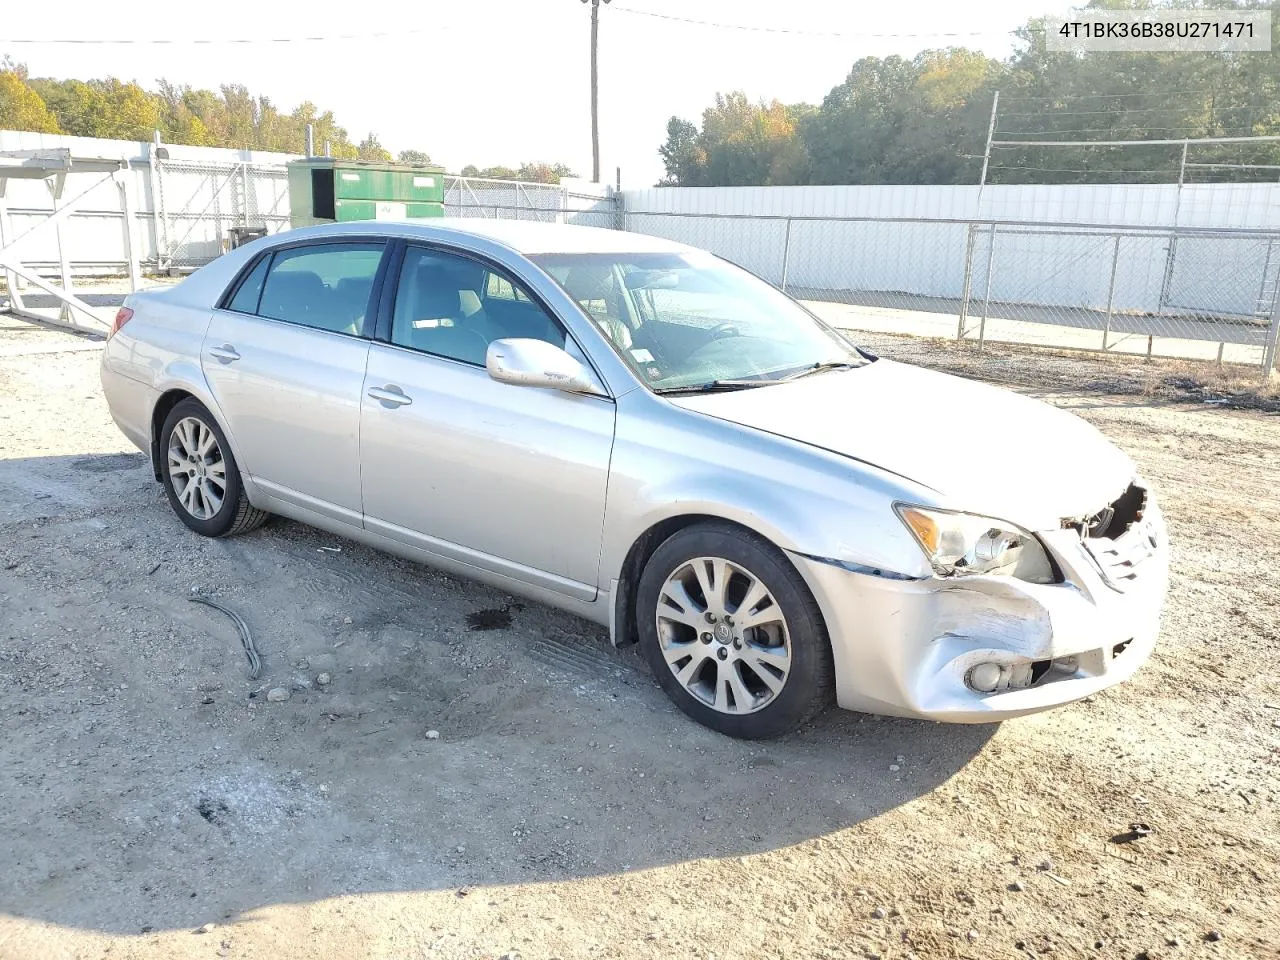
(480, 777)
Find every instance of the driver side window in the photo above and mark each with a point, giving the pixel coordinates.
(454, 307)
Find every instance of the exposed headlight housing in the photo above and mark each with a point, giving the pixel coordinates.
(965, 544)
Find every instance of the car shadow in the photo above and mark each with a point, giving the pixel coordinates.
(437, 734)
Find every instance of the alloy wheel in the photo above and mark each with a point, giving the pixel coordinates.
(723, 635)
(197, 469)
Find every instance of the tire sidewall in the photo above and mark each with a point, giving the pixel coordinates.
(220, 522)
(810, 647)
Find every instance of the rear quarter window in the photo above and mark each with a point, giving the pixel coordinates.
(249, 292)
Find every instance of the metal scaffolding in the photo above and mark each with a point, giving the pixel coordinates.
(53, 166)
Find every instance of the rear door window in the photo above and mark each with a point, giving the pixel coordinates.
(326, 286)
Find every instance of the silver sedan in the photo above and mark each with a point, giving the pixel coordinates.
(654, 439)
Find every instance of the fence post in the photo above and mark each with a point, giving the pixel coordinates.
(968, 280)
(130, 245)
(157, 201)
(1273, 335)
(986, 299)
(1111, 293)
(786, 255)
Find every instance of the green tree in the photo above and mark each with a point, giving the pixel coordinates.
(232, 116)
(924, 119)
(107, 108)
(130, 113)
(371, 149)
(543, 172)
(740, 143)
(21, 107)
(79, 107)
(420, 157)
(179, 123)
(682, 157)
(326, 131)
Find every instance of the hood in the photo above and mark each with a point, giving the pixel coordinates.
(983, 449)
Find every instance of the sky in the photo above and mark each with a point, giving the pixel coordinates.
(505, 81)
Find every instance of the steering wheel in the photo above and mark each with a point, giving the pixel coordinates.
(457, 343)
(480, 339)
(725, 328)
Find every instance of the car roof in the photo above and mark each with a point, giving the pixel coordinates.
(523, 236)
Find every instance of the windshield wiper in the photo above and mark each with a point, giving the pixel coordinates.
(715, 386)
(818, 368)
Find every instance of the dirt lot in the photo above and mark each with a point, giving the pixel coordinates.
(565, 809)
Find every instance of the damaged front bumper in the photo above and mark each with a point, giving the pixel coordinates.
(985, 648)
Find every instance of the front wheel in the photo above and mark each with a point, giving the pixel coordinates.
(732, 632)
(200, 475)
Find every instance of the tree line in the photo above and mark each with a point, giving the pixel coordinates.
(230, 117)
(924, 120)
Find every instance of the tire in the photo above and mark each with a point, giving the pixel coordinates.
(195, 454)
(766, 669)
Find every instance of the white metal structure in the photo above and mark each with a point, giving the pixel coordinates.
(52, 168)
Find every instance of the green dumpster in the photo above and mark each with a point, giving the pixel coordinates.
(325, 190)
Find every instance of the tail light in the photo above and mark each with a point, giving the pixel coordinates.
(123, 316)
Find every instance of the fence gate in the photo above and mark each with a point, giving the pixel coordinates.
(198, 203)
(1236, 276)
(546, 202)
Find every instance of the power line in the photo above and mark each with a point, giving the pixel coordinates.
(215, 41)
(1105, 96)
(1075, 130)
(1129, 111)
(1091, 171)
(805, 33)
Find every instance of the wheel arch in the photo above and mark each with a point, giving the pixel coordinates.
(170, 398)
(159, 413)
(625, 629)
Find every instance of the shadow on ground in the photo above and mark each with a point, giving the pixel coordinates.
(45, 301)
(145, 782)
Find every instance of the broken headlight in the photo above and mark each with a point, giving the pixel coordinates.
(963, 544)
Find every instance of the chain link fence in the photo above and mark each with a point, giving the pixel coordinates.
(1107, 288)
(1079, 286)
(543, 202)
(197, 205)
(1059, 284)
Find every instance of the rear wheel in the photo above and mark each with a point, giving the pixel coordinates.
(200, 475)
(732, 632)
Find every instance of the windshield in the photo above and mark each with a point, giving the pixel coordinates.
(692, 320)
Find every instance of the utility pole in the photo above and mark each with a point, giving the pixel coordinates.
(595, 92)
(991, 132)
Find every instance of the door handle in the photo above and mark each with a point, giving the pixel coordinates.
(225, 353)
(390, 396)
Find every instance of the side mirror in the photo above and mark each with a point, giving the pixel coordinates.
(536, 363)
